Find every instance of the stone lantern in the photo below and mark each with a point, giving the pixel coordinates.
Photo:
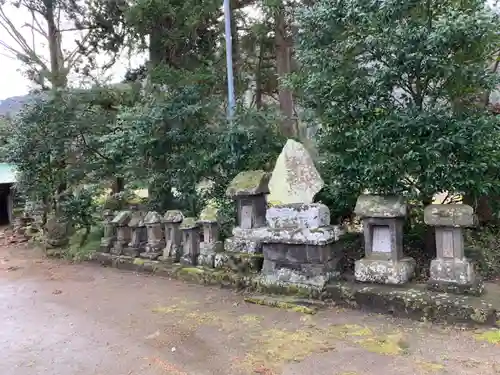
(109, 237)
(211, 244)
(383, 220)
(156, 242)
(190, 241)
(123, 232)
(451, 271)
(173, 235)
(138, 235)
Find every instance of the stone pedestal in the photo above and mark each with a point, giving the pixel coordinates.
(451, 271)
(138, 238)
(156, 242)
(123, 232)
(383, 220)
(190, 241)
(211, 244)
(173, 236)
(243, 253)
(299, 245)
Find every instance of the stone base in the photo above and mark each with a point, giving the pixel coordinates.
(174, 254)
(309, 275)
(188, 260)
(116, 251)
(166, 259)
(151, 255)
(131, 252)
(207, 259)
(105, 248)
(384, 271)
(238, 262)
(454, 276)
(242, 245)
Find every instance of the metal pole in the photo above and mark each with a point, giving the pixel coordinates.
(229, 59)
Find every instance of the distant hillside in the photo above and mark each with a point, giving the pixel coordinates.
(13, 104)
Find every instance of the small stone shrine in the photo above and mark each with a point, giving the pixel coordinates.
(210, 229)
(383, 219)
(190, 241)
(156, 242)
(123, 232)
(109, 237)
(139, 237)
(173, 236)
(451, 271)
(243, 252)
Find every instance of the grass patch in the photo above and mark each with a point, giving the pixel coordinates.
(491, 336)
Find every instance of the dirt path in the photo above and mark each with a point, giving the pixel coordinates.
(62, 319)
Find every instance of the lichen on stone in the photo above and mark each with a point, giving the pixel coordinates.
(380, 206)
(173, 216)
(189, 223)
(210, 214)
(249, 183)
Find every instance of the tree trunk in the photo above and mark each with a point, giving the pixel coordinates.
(283, 42)
(430, 235)
(118, 185)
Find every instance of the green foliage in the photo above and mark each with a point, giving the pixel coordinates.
(396, 86)
(483, 246)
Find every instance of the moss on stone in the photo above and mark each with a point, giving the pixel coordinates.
(491, 336)
(281, 304)
(139, 261)
(189, 223)
(249, 183)
(210, 214)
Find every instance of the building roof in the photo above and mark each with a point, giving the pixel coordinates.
(7, 173)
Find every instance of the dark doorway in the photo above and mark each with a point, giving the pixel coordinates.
(4, 204)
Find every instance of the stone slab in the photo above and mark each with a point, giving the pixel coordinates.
(301, 254)
(295, 178)
(449, 215)
(173, 216)
(242, 245)
(207, 259)
(298, 215)
(384, 271)
(241, 263)
(307, 236)
(380, 206)
(458, 271)
(475, 288)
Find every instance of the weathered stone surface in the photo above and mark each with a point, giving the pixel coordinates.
(242, 245)
(189, 223)
(314, 276)
(58, 231)
(173, 216)
(449, 215)
(138, 238)
(298, 215)
(109, 231)
(304, 236)
(122, 218)
(210, 214)
(295, 179)
(240, 263)
(207, 259)
(379, 206)
(384, 271)
(300, 254)
(248, 183)
(173, 241)
(152, 217)
(454, 271)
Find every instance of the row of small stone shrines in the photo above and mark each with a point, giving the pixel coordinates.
(295, 243)
(171, 237)
(384, 262)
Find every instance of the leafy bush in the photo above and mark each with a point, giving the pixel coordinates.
(483, 246)
(396, 86)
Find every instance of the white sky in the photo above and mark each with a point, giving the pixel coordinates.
(12, 81)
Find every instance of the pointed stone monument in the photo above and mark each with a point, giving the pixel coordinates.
(295, 179)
